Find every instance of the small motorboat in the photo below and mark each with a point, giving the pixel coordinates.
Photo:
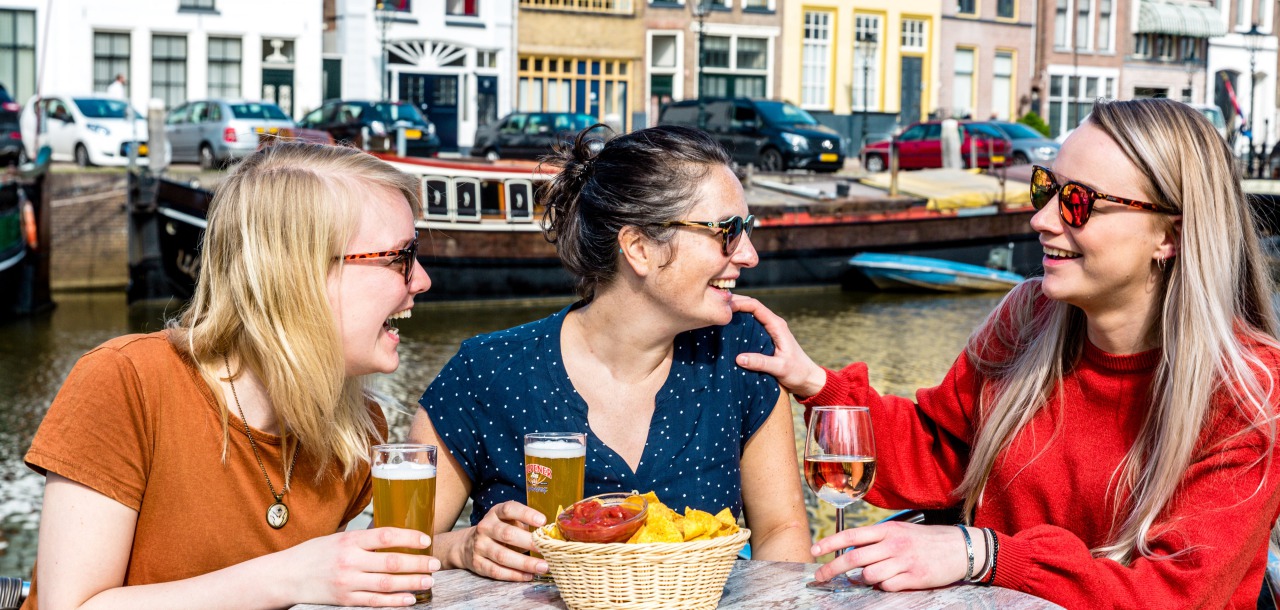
(902, 272)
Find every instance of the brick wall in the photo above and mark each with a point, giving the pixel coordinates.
(90, 246)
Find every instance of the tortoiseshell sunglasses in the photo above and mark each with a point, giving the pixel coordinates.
(730, 229)
(404, 257)
(1075, 200)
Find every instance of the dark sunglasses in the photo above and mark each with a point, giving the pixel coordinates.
(730, 229)
(1075, 200)
(404, 257)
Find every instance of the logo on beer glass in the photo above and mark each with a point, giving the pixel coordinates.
(537, 477)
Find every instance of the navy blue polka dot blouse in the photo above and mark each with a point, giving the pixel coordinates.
(505, 384)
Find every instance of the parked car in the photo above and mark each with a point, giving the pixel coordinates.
(528, 135)
(89, 129)
(920, 147)
(1029, 145)
(11, 150)
(373, 125)
(213, 132)
(772, 135)
(1214, 114)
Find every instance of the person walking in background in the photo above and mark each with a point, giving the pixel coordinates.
(116, 88)
(209, 465)
(1109, 432)
(655, 228)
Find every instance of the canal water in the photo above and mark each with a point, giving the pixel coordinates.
(908, 341)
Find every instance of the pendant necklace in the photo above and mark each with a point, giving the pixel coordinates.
(277, 513)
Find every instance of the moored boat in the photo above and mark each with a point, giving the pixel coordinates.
(25, 239)
(902, 272)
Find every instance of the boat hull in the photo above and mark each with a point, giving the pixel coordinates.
(897, 272)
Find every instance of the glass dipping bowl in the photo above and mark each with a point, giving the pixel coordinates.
(611, 517)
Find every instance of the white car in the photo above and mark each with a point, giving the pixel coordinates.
(87, 129)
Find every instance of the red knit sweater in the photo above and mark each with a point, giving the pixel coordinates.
(1047, 497)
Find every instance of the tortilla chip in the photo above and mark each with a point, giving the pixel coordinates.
(659, 529)
(728, 524)
(553, 531)
(697, 524)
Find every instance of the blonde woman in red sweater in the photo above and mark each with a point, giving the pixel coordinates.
(1109, 431)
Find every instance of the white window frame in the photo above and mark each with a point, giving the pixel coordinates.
(972, 77)
(1069, 18)
(1005, 109)
(1091, 20)
(922, 35)
(733, 31)
(863, 24)
(817, 95)
(1107, 83)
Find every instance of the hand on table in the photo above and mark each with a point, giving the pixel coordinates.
(901, 556)
(346, 569)
(494, 547)
(793, 368)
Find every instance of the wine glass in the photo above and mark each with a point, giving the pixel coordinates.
(839, 466)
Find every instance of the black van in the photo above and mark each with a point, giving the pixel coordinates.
(774, 136)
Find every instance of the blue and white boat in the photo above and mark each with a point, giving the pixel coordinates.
(899, 272)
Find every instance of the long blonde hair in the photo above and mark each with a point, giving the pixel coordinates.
(1214, 291)
(276, 226)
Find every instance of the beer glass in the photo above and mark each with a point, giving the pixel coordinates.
(554, 467)
(839, 466)
(404, 493)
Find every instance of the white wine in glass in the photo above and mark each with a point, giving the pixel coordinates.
(839, 466)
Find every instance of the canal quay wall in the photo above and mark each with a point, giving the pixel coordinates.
(89, 236)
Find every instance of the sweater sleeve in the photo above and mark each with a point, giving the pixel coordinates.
(921, 447)
(1219, 520)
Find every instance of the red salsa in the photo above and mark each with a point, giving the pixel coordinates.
(591, 521)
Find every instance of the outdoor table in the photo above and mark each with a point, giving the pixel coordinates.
(752, 584)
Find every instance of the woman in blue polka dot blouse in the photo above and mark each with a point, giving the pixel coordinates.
(654, 225)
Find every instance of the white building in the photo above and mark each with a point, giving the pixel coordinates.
(1229, 63)
(173, 50)
(453, 58)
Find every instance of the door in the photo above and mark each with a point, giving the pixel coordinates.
(486, 100)
(177, 131)
(909, 103)
(277, 87)
(436, 95)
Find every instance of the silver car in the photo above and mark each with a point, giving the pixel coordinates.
(1029, 145)
(214, 132)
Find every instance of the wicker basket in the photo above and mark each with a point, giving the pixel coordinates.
(659, 575)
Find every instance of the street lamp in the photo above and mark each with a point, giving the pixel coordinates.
(1253, 41)
(383, 14)
(866, 42)
(700, 10)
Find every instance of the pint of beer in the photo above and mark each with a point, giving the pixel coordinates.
(404, 493)
(554, 467)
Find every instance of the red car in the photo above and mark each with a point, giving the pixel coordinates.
(920, 146)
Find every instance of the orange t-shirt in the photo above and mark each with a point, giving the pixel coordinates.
(136, 422)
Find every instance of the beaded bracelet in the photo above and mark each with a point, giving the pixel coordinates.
(968, 547)
(995, 555)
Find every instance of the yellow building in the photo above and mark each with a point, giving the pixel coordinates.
(846, 56)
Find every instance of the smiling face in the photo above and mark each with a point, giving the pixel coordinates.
(1109, 263)
(367, 295)
(695, 286)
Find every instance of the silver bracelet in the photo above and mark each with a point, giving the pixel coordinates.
(968, 548)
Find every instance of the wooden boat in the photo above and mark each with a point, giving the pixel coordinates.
(25, 239)
(480, 233)
(901, 272)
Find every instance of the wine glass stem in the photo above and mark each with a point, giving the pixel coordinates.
(839, 527)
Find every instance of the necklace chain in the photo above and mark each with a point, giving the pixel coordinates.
(252, 445)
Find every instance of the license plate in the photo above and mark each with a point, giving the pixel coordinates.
(142, 149)
(270, 130)
(997, 158)
(413, 134)
(828, 157)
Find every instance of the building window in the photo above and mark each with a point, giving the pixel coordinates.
(1104, 25)
(1005, 9)
(1242, 13)
(962, 99)
(967, 7)
(866, 61)
(914, 35)
(744, 73)
(759, 5)
(486, 59)
(197, 5)
(169, 69)
(752, 54)
(1071, 99)
(614, 7)
(399, 6)
(18, 53)
(110, 57)
(1002, 85)
(1190, 48)
(1166, 48)
(664, 55)
(598, 87)
(718, 4)
(1142, 45)
(815, 62)
(1084, 9)
(224, 68)
(715, 52)
(1061, 26)
(462, 8)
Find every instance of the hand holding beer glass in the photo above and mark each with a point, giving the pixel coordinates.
(554, 468)
(839, 466)
(404, 493)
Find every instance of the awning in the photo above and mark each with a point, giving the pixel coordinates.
(1180, 19)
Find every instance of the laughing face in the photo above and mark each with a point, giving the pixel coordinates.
(368, 296)
(698, 282)
(1109, 263)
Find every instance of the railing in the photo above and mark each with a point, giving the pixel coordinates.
(610, 7)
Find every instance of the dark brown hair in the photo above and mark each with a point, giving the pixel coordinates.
(640, 179)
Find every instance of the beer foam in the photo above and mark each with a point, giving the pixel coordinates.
(552, 450)
(404, 471)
